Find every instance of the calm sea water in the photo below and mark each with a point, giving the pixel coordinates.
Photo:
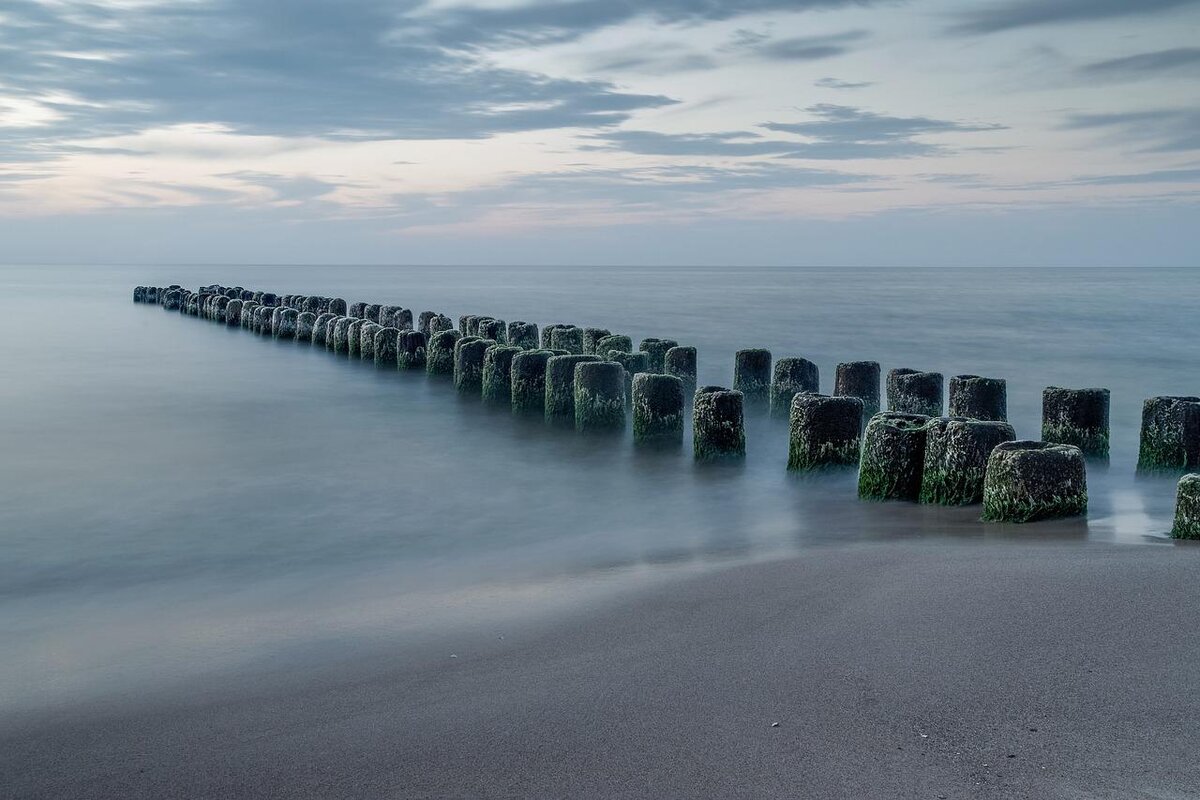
(178, 496)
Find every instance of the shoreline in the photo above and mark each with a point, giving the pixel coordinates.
(892, 670)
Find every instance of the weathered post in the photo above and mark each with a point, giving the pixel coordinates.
(493, 329)
(913, 392)
(633, 363)
(285, 327)
(305, 321)
(718, 424)
(320, 331)
(548, 334)
(173, 300)
(523, 335)
(385, 347)
(337, 306)
(956, 457)
(824, 432)
(387, 316)
(1187, 508)
(974, 397)
(622, 344)
(341, 334)
(1030, 481)
(567, 338)
(358, 310)
(592, 336)
(893, 457)
(599, 396)
(468, 364)
(438, 324)
(233, 313)
(793, 376)
(464, 324)
(528, 381)
(354, 336)
(366, 340)
(658, 402)
(680, 362)
(1078, 417)
(497, 373)
(1170, 439)
(423, 321)
(410, 350)
(657, 349)
(371, 312)
(439, 355)
(752, 374)
(560, 385)
(248, 309)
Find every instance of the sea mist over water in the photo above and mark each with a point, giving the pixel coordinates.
(180, 496)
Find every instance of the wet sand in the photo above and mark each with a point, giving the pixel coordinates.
(1005, 670)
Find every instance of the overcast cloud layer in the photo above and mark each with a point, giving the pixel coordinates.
(593, 130)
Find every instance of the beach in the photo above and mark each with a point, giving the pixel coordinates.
(1007, 670)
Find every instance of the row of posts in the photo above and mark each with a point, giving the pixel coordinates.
(591, 376)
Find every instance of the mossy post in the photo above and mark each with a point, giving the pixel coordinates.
(956, 457)
(464, 322)
(718, 424)
(913, 392)
(356, 310)
(658, 402)
(173, 300)
(497, 373)
(974, 397)
(792, 376)
(680, 362)
(305, 321)
(354, 337)
(385, 347)
(423, 321)
(633, 363)
(337, 306)
(567, 338)
(248, 309)
(825, 432)
(233, 313)
(1078, 417)
(438, 324)
(468, 364)
(1187, 508)
(548, 334)
(371, 312)
(341, 334)
(618, 342)
(560, 385)
(286, 326)
(527, 381)
(893, 457)
(599, 396)
(410, 350)
(493, 329)
(657, 349)
(1030, 481)
(752, 375)
(1170, 439)
(320, 331)
(366, 340)
(387, 316)
(439, 355)
(592, 337)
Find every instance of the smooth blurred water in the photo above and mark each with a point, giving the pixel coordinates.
(177, 495)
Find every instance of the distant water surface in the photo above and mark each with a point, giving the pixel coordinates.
(179, 496)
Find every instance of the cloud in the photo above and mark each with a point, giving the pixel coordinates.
(1160, 131)
(1143, 65)
(733, 143)
(836, 83)
(845, 132)
(1026, 13)
(809, 48)
(1156, 176)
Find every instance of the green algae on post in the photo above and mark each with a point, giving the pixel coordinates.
(592, 337)
(320, 330)
(523, 335)
(497, 373)
(1187, 508)
(752, 374)
(468, 364)
(356, 309)
(617, 342)
(527, 381)
(657, 350)
(599, 396)
(568, 338)
(633, 363)
(893, 457)
(973, 397)
(233, 313)
(913, 392)
(173, 300)
(718, 424)
(423, 321)
(354, 336)
(438, 324)
(1078, 417)
(305, 321)
(366, 340)
(385, 347)
(560, 385)
(792, 376)
(680, 362)
(439, 354)
(658, 402)
(410, 350)
(493, 329)
(1170, 438)
(824, 432)
(956, 458)
(341, 334)
(1029, 481)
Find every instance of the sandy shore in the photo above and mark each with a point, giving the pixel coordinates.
(886, 671)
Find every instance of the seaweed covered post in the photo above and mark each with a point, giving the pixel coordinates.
(248, 309)
(1187, 508)
(680, 362)
(497, 373)
(320, 331)
(468, 364)
(793, 376)
(371, 312)
(1078, 417)
(657, 350)
(718, 424)
(1170, 439)
(387, 316)
(173, 300)
(337, 306)
(286, 325)
(493, 329)
(354, 337)
(568, 338)
(893, 457)
(385, 347)
(410, 350)
(341, 335)
(658, 402)
(633, 363)
(527, 375)
(752, 374)
(548, 334)
(357, 310)
(139, 294)
(956, 457)
(423, 321)
(560, 385)
(825, 432)
(464, 324)
(305, 321)
(439, 355)
(233, 313)
(366, 340)
(523, 335)
(913, 392)
(599, 396)
(1029, 481)
(974, 397)
(618, 342)
(592, 337)
(438, 324)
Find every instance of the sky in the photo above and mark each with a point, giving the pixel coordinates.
(592, 132)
